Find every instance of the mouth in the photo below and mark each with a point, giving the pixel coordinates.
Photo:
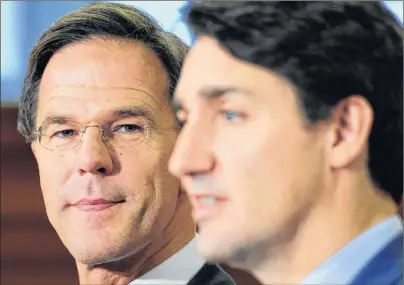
(207, 207)
(95, 205)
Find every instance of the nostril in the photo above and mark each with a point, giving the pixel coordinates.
(102, 170)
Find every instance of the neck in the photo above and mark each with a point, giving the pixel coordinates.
(175, 236)
(331, 224)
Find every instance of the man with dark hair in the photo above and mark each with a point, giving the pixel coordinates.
(291, 147)
(96, 109)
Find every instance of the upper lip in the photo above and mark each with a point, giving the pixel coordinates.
(199, 195)
(99, 201)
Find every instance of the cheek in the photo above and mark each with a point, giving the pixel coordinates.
(142, 162)
(267, 155)
(246, 157)
(267, 173)
(136, 171)
(154, 188)
(147, 168)
(54, 171)
(164, 184)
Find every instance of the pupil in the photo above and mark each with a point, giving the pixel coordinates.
(130, 127)
(67, 132)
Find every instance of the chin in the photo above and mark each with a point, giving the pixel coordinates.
(95, 256)
(94, 250)
(92, 258)
(232, 249)
(215, 249)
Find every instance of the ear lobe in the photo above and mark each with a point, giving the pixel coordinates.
(351, 126)
(33, 147)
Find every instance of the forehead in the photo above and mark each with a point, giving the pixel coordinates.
(210, 65)
(97, 73)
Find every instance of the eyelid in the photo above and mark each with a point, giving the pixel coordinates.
(142, 122)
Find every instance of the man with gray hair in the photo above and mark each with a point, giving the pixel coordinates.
(96, 109)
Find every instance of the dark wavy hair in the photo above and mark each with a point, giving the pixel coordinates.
(329, 51)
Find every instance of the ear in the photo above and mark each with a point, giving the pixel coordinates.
(34, 147)
(352, 121)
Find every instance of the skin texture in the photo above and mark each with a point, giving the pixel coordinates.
(280, 181)
(87, 81)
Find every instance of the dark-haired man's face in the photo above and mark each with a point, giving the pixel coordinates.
(250, 164)
(111, 193)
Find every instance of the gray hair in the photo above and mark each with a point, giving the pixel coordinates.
(107, 20)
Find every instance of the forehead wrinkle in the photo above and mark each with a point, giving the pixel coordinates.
(56, 96)
(128, 103)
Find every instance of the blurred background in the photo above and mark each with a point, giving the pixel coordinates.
(31, 252)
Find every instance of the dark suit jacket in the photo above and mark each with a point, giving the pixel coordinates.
(386, 268)
(211, 274)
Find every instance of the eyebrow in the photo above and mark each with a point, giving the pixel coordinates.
(134, 111)
(117, 113)
(50, 117)
(212, 93)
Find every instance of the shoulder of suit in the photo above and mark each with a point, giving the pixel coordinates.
(211, 274)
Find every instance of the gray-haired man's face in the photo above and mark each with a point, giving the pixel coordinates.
(104, 200)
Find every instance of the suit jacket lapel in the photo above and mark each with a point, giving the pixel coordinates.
(211, 274)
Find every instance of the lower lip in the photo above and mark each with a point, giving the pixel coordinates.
(206, 212)
(96, 207)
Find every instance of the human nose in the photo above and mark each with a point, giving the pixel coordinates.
(94, 156)
(192, 153)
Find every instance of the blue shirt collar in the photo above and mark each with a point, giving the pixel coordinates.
(344, 265)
